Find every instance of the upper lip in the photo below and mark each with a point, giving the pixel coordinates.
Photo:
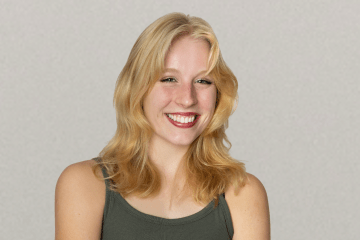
(184, 113)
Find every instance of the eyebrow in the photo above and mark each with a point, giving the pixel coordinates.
(171, 70)
(177, 71)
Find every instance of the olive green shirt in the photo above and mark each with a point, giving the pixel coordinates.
(122, 221)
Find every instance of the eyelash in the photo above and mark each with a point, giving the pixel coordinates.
(166, 80)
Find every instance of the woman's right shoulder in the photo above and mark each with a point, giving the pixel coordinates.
(84, 167)
(79, 177)
(79, 202)
(81, 174)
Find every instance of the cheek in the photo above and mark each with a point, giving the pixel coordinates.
(163, 96)
(207, 100)
(159, 98)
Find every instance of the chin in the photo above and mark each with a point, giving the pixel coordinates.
(182, 141)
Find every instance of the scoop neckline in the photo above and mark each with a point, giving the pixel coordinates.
(166, 221)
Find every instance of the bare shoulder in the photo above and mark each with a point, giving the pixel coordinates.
(79, 202)
(79, 177)
(249, 210)
(79, 172)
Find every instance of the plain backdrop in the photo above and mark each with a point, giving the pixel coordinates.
(296, 126)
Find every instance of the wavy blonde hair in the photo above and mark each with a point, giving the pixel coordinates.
(209, 167)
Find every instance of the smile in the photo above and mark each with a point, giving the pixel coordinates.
(183, 120)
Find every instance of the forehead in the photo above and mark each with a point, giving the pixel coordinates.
(188, 53)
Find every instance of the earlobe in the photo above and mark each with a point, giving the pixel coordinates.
(217, 98)
(142, 104)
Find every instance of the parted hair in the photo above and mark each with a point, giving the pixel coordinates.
(210, 170)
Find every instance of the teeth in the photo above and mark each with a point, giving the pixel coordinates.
(181, 119)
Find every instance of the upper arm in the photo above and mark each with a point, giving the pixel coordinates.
(250, 211)
(79, 203)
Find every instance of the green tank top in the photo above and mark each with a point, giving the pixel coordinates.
(122, 221)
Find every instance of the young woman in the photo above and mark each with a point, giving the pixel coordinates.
(166, 173)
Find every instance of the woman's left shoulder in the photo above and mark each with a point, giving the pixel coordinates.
(249, 210)
(253, 188)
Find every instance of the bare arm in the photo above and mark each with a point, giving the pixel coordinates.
(79, 203)
(250, 212)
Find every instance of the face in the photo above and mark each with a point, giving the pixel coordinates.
(182, 102)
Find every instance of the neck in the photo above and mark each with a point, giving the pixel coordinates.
(168, 158)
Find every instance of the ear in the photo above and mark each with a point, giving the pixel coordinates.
(217, 98)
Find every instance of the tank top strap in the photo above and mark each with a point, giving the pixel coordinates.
(103, 169)
(109, 193)
(226, 213)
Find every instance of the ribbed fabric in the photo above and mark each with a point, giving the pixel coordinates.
(122, 221)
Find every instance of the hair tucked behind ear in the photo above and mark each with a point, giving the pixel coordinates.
(210, 170)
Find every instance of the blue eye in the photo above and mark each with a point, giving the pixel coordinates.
(203, 81)
(168, 80)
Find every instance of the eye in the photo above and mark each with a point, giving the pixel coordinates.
(203, 81)
(169, 79)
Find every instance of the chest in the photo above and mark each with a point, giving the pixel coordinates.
(165, 208)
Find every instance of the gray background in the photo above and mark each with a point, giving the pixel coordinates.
(296, 125)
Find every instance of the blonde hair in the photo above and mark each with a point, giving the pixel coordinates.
(209, 167)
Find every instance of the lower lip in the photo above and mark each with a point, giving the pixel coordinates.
(183, 125)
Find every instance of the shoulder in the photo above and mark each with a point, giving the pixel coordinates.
(249, 210)
(80, 177)
(79, 202)
(78, 172)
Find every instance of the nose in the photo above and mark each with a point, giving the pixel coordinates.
(186, 95)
